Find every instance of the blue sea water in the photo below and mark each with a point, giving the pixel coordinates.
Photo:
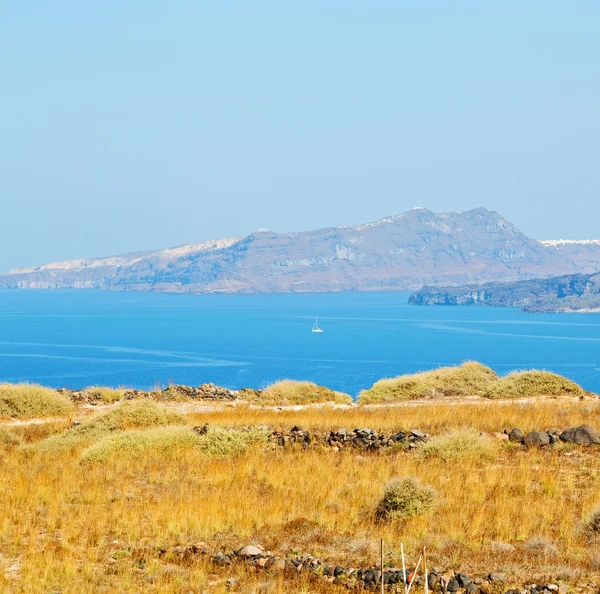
(81, 338)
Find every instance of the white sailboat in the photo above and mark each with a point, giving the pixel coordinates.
(315, 327)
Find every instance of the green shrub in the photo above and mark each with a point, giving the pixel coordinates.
(522, 384)
(172, 442)
(28, 401)
(104, 394)
(469, 379)
(461, 444)
(403, 499)
(288, 392)
(8, 440)
(129, 415)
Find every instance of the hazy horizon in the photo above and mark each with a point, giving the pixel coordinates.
(137, 126)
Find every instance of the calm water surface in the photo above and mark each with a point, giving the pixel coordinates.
(79, 338)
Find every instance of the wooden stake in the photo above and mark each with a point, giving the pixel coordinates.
(382, 585)
(403, 566)
(425, 570)
(414, 573)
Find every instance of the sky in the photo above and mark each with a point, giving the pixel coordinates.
(135, 125)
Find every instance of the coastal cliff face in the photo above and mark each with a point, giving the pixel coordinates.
(572, 292)
(402, 252)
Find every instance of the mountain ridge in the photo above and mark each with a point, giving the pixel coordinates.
(398, 252)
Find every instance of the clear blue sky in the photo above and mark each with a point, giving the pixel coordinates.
(143, 124)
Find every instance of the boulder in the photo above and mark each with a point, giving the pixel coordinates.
(418, 435)
(536, 439)
(250, 551)
(515, 436)
(582, 435)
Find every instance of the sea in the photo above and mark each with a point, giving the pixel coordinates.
(79, 338)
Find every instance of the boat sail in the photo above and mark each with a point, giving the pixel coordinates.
(315, 327)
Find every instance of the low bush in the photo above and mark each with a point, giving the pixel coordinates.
(522, 384)
(469, 379)
(403, 499)
(461, 444)
(288, 392)
(592, 526)
(129, 415)
(104, 394)
(29, 401)
(172, 442)
(8, 440)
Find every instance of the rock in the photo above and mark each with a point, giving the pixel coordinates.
(418, 435)
(231, 583)
(496, 577)
(515, 436)
(250, 551)
(462, 579)
(221, 559)
(536, 439)
(452, 586)
(582, 435)
(472, 588)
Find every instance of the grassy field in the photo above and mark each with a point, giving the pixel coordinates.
(136, 480)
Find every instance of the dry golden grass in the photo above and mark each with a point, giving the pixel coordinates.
(83, 529)
(28, 401)
(430, 416)
(289, 392)
(101, 526)
(9, 439)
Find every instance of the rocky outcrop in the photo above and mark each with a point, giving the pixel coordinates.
(583, 435)
(401, 252)
(174, 392)
(572, 292)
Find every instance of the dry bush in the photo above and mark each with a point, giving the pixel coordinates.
(469, 379)
(8, 440)
(104, 394)
(403, 499)
(540, 546)
(523, 384)
(461, 444)
(289, 392)
(171, 442)
(29, 401)
(129, 415)
(592, 526)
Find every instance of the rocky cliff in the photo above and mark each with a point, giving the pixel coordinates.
(401, 252)
(571, 292)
